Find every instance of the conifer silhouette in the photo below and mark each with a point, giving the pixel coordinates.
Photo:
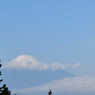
(50, 92)
(4, 89)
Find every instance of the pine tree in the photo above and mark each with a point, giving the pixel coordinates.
(4, 89)
(50, 92)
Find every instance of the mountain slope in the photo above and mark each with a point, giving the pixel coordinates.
(25, 78)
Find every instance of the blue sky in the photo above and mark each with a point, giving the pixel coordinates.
(61, 31)
(52, 31)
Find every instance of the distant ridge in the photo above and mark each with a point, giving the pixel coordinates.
(26, 78)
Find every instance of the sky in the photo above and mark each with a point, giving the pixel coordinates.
(50, 31)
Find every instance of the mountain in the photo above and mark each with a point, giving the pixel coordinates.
(25, 78)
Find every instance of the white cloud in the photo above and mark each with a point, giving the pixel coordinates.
(68, 85)
(76, 65)
(28, 62)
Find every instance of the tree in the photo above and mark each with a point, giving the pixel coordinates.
(4, 89)
(50, 92)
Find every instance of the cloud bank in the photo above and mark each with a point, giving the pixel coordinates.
(30, 63)
(68, 85)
